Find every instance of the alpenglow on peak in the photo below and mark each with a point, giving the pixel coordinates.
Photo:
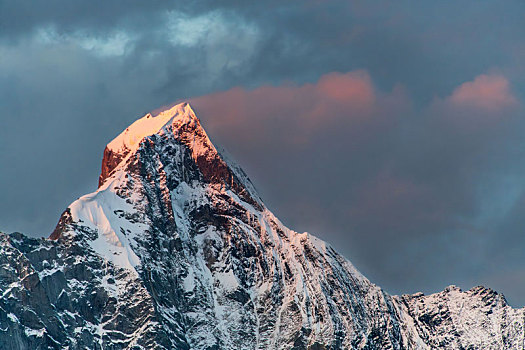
(176, 118)
(129, 139)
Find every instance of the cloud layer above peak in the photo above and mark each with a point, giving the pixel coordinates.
(296, 114)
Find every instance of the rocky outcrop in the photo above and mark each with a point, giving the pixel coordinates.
(110, 160)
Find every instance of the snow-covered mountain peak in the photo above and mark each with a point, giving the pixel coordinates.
(129, 139)
(175, 128)
(179, 119)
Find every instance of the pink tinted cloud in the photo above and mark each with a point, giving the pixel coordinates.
(489, 93)
(475, 107)
(342, 100)
(355, 88)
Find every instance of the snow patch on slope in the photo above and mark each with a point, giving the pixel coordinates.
(97, 211)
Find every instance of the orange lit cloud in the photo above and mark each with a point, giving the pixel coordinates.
(490, 93)
(347, 100)
(354, 87)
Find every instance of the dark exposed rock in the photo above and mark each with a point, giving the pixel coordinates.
(110, 161)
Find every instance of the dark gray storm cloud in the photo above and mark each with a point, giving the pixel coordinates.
(392, 130)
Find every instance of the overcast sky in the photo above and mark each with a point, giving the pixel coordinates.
(393, 130)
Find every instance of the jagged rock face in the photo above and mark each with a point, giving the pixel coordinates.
(477, 319)
(176, 250)
(58, 294)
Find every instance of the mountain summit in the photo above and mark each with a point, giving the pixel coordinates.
(176, 250)
(128, 141)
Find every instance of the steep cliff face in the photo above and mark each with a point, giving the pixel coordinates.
(175, 250)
